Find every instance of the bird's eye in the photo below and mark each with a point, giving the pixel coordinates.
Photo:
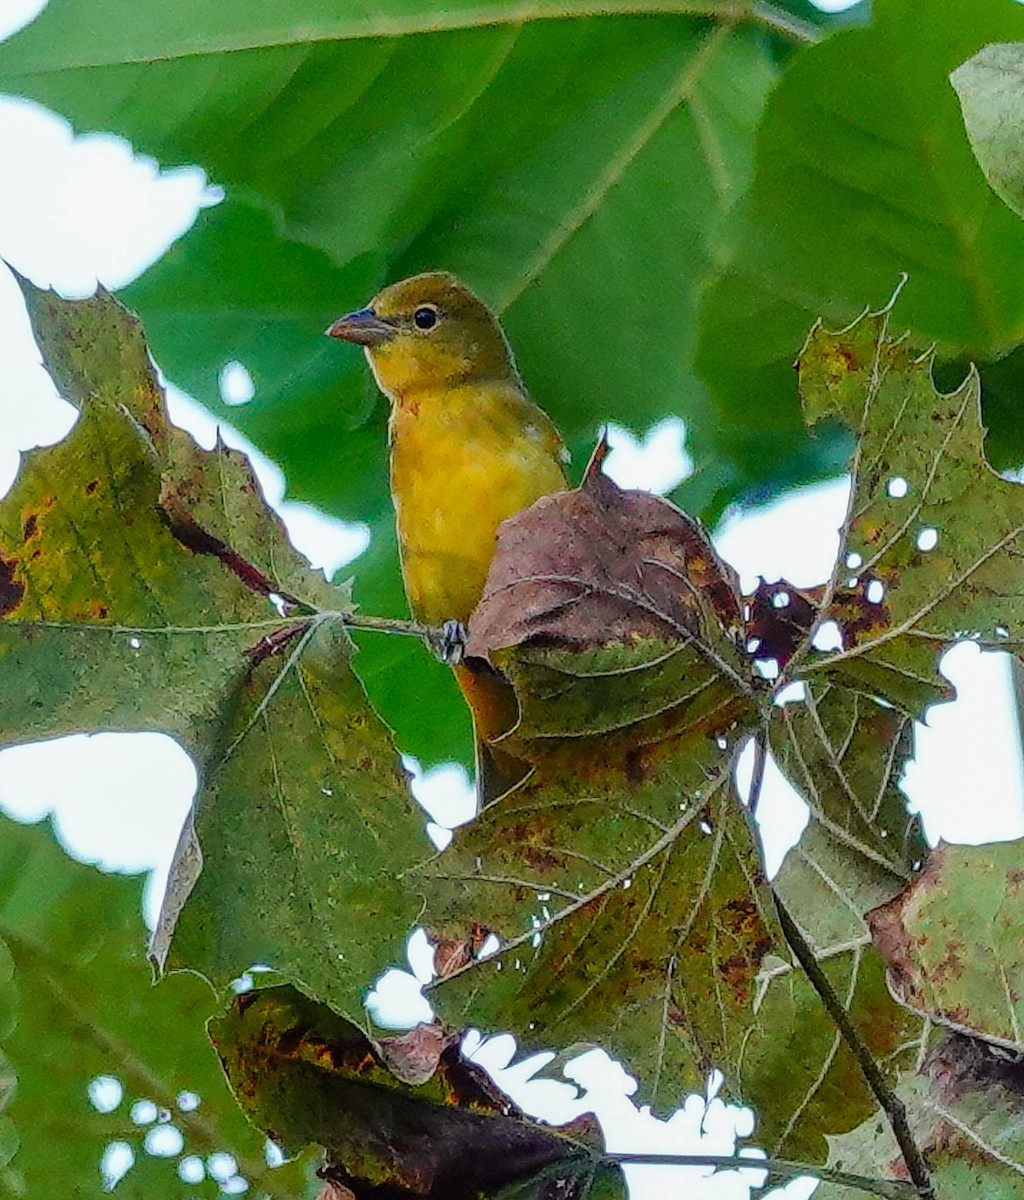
(425, 317)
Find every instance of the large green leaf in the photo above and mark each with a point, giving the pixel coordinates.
(135, 585)
(80, 1004)
(576, 170)
(864, 171)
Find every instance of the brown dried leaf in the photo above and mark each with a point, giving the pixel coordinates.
(600, 565)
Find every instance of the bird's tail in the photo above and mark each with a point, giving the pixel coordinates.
(495, 711)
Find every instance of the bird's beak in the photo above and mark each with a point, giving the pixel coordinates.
(363, 327)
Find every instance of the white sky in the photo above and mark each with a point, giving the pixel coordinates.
(74, 210)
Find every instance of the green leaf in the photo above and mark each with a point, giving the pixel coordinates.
(952, 941)
(827, 886)
(932, 542)
(989, 87)
(358, 148)
(630, 914)
(135, 584)
(863, 171)
(305, 1076)
(77, 1003)
(844, 754)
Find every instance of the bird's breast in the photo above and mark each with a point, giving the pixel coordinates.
(462, 462)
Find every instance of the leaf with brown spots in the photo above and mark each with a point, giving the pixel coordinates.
(631, 914)
(111, 621)
(622, 879)
(965, 1105)
(305, 1075)
(779, 618)
(614, 619)
(952, 941)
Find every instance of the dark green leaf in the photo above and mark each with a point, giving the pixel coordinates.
(863, 171)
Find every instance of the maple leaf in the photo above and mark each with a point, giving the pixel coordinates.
(136, 594)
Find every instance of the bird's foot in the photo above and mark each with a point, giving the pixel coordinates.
(449, 643)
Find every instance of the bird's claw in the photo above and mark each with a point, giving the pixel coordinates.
(449, 643)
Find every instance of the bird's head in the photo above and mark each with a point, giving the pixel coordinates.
(426, 332)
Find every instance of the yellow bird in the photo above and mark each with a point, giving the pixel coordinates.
(469, 449)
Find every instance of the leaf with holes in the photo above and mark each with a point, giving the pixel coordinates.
(630, 909)
(622, 879)
(77, 1003)
(932, 543)
(135, 585)
(305, 1075)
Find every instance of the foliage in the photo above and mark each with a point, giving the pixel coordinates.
(619, 894)
(406, 1111)
(81, 988)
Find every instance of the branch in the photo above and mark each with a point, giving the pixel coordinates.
(891, 1104)
(386, 625)
(890, 1189)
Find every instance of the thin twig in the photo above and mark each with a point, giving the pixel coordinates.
(890, 1189)
(387, 625)
(891, 1104)
(889, 1101)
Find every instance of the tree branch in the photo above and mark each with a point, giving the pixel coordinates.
(385, 625)
(891, 1104)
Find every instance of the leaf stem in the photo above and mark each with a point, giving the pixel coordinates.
(891, 1104)
(890, 1189)
(781, 22)
(757, 774)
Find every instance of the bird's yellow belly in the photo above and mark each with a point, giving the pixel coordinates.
(454, 483)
